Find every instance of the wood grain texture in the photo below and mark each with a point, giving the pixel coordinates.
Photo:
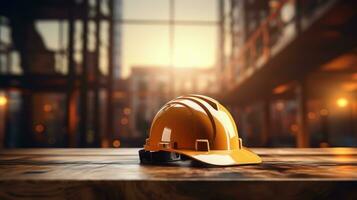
(117, 174)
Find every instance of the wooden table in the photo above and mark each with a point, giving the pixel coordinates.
(116, 174)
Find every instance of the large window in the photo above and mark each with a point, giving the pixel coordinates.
(164, 33)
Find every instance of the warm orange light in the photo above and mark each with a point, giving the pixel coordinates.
(3, 100)
(294, 128)
(323, 112)
(116, 143)
(105, 143)
(39, 128)
(349, 86)
(280, 106)
(354, 76)
(124, 121)
(281, 89)
(47, 108)
(119, 95)
(342, 102)
(311, 115)
(127, 111)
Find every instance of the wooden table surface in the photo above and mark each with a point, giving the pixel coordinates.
(116, 174)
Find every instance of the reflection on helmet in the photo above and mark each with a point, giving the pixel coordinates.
(198, 127)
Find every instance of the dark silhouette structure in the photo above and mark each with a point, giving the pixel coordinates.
(299, 63)
(59, 44)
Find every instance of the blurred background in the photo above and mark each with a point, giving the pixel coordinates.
(93, 73)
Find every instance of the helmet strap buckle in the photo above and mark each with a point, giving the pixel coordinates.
(165, 145)
(202, 145)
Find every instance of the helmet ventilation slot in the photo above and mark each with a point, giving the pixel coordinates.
(209, 101)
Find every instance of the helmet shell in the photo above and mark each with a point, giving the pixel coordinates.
(199, 127)
(186, 119)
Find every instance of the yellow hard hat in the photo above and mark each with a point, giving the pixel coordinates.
(197, 127)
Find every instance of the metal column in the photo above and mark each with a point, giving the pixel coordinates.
(84, 79)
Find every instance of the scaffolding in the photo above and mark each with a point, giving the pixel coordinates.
(81, 79)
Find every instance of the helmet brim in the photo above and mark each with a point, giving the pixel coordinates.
(241, 156)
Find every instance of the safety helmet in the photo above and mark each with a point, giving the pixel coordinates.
(197, 127)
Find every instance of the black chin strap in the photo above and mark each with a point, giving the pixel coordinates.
(151, 157)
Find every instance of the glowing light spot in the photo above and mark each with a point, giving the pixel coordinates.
(323, 112)
(3, 100)
(294, 128)
(47, 108)
(281, 89)
(124, 121)
(311, 115)
(127, 111)
(287, 12)
(280, 106)
(342, 102)
(116, 143)
(39, 128)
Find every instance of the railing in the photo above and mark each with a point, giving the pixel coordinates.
(274, 32)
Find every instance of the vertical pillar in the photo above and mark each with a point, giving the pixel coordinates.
(26, 96)
(110, 128)
(233, 62)
(172, 38)
(4, 117)
(324, 124)
(96, 114)
(71, 103)
(354, 114)
(221, 44)
(84, 78)
(301, 95)
(27, 119)
(266, 122)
